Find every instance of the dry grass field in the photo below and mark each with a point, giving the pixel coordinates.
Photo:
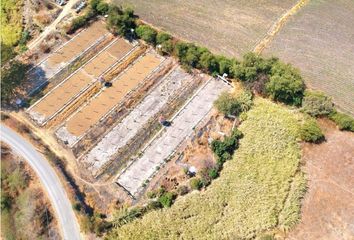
(228, 27)
(327, 207)
(319, 41)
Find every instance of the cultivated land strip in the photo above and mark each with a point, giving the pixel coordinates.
(71, 88)
(132, 123)
(143, 168)
(277, 26)
(71, 50)
(81, 121)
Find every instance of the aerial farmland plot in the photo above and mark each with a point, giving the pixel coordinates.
(96, 108)
(319, 41)
(71, 88)
(237, 26)
(163, 145)
(66, 54)
(127, 129)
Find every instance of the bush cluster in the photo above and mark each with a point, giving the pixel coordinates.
(311, 132)
(224, 149)
(317, 104)
(228, 104)
(343, 121)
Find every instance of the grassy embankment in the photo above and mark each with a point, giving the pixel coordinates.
(258, 191)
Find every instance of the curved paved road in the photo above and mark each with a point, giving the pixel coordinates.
(49, 179)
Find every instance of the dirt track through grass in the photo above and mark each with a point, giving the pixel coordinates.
(277, 26)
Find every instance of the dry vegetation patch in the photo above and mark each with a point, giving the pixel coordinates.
(228, 27)
(25, 210)
(260, 175)
(327, 207)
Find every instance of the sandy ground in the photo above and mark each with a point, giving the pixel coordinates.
(65, 54)
(73, 85)
(163, 146)
(95, 109)
(328, 206)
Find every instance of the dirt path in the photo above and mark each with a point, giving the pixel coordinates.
(328, 207)
(277, 26)
(66, 10)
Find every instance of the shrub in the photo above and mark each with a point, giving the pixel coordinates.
(224, 149)
(196, 183)
(227, 104)
(81, 21)
(182, 190)
(166, 199)
(311, 132)
(285, 85)
(213, 173)
(162, 37)
(231, 105)
(343, 121)
(317, 104)
(153, 205)
(146, 33)
(208, 62)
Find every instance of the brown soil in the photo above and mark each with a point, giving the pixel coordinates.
(79, 43)
(62, 94)
(72, 86)
(109, 97)
(328, 206)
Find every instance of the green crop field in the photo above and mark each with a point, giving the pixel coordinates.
(229, 27)
(259, 190)
(319, 40)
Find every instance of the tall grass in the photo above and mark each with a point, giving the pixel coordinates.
(256, 191)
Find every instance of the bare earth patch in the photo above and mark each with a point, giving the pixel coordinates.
(229, 27)
(327, 211)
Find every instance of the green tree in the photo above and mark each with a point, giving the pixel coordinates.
(196, 183)
(102, 8)
(11, 77)
(121, 21)
(162, 37)
(286, 84)
(208, 62)
(146, 33)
